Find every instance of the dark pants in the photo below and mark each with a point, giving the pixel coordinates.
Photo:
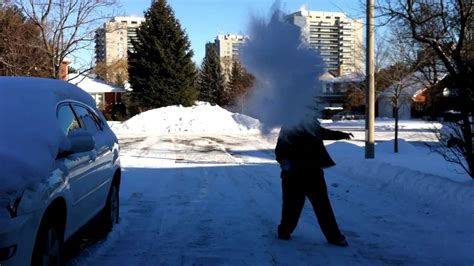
(296, 187)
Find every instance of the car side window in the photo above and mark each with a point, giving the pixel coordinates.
(87, 118)
(66, 119)
(99, 121)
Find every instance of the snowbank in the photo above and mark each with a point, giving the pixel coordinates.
(384, 124)
(413, 171)
(200, 118)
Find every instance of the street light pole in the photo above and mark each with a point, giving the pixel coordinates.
(370, 90)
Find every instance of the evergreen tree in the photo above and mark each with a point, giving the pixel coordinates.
(211, 82)
(240, 82)
(161, 69)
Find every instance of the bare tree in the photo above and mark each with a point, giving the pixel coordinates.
(445, 27)
(399, 93)
(20, 43)
(356, 91)
(114, 73)
(414, 71)
(450, 143)
(66, 26)
(429, 69)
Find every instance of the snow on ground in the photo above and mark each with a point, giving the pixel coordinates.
(385, 124)
(214, 198)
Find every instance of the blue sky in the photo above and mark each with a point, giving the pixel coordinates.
(204, 19)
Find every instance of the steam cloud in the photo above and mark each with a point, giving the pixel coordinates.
(286, 71)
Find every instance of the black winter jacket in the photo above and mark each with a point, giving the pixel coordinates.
(301, 149)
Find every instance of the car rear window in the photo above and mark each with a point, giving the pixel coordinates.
(89, 120)
(66, 119)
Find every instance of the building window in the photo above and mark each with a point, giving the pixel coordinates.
(99, 100)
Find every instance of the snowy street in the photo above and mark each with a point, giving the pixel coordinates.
(207, 132)
(215, 199)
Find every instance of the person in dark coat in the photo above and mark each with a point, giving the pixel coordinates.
(302, 157)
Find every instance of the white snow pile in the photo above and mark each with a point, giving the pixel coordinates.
(200, 118)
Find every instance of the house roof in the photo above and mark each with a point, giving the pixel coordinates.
(93, 85)
(330, 78)
(412, 85)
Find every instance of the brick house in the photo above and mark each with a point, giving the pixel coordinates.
(105, 94)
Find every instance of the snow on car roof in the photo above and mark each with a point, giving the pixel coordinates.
(29, 136)
(35, 87)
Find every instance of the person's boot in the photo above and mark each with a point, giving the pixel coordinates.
(341, 242)
(283, 235)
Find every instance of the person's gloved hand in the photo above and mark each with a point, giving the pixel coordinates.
(285, 165)
(348, 136)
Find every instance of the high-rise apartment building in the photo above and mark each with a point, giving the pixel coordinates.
(229, 45)
(228, 48)
(337, 38)
(113, 40)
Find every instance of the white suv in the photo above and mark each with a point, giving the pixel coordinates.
(59, 168)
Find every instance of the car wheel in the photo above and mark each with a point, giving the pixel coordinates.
(49, 245)
(110, 215)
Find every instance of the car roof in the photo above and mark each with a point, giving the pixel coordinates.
(32, 87)
(29, 134)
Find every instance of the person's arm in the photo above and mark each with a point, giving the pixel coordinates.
(327, 134)
(283, 151)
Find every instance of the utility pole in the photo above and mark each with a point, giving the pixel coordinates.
(370, 90)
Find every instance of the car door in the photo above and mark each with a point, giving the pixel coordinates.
(103, 157)
(80, 170)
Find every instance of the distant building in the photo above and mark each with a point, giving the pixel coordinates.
(228, 48)
(114, 39)
(64, 69)
(337, 37)
(333, 89)
(230, 45)
(105, 95)
(411, 95)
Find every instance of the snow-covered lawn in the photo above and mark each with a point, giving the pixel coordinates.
(191, 197)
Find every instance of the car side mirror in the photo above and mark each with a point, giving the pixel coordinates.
(81, 141)
(77, 141)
